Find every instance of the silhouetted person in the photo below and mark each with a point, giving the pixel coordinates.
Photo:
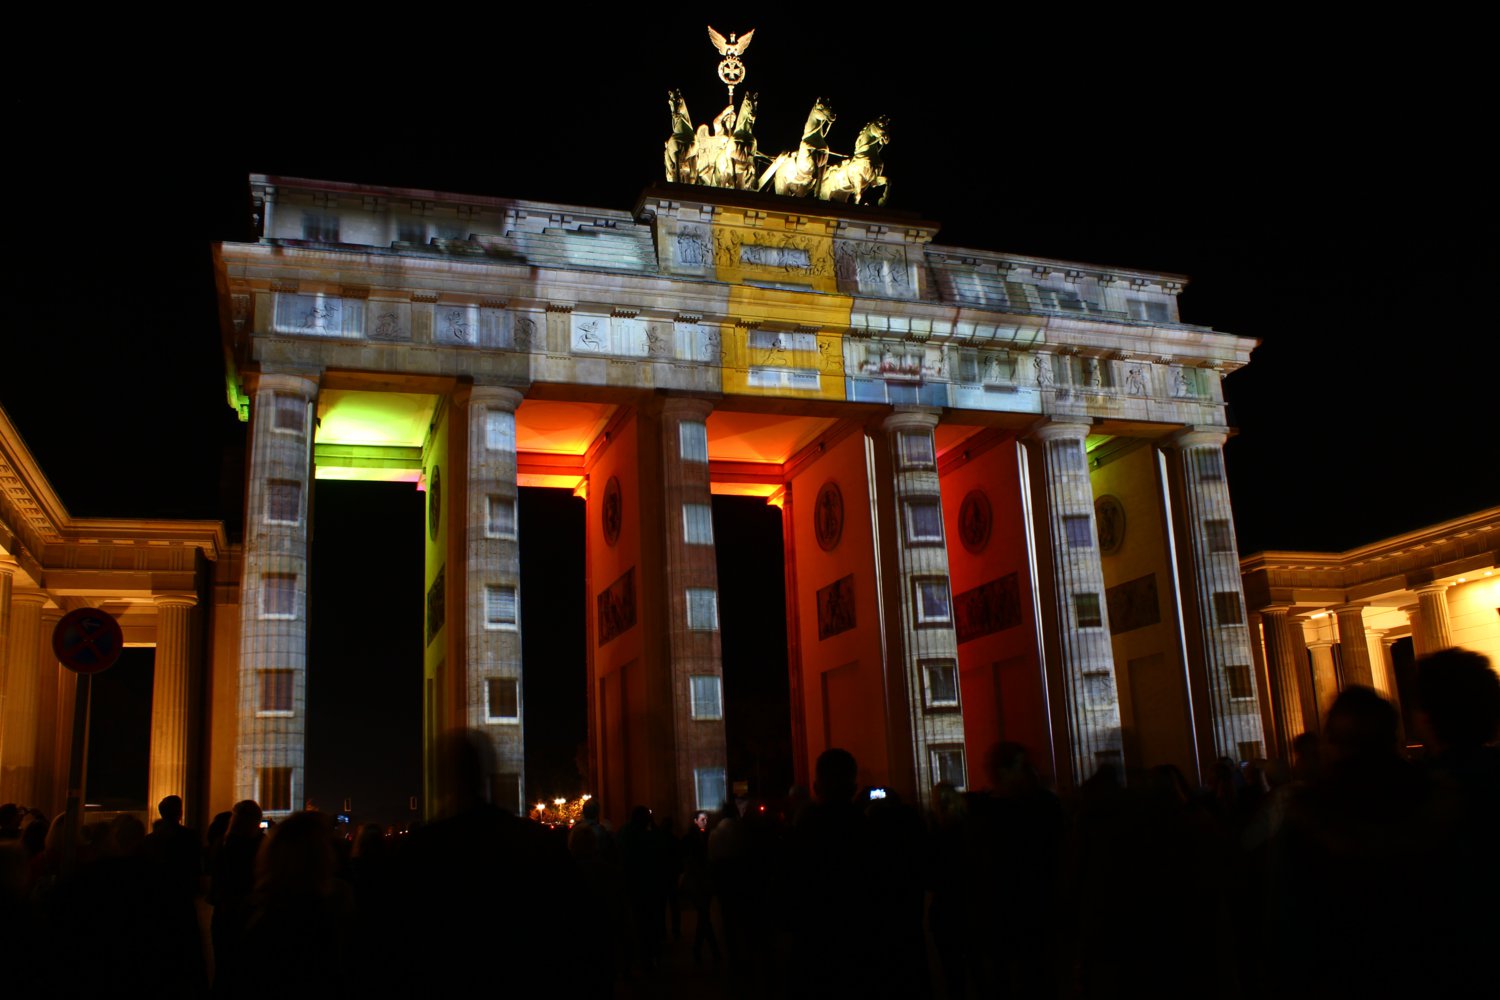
(229, 893)
(1349, 869)
(1458, 717)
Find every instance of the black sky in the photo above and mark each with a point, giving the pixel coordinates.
(1324, 192)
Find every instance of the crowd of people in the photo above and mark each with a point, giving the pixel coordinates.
(1354, 868)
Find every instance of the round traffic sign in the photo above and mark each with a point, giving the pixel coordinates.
(87, 641)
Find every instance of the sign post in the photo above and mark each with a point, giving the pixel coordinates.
(86, 641)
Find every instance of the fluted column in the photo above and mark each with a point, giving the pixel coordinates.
(1223, 640)
(273, 594)
(930, 645)
(51, 746)
(492, 560)
(22, 700)
(690, 571)
(169, 700)
(1413, 613)
(1382, 667)
(1325, 674)
(1436, 634)
(1086, 664)
(7, 582)
(1287, 691)
(1354, 648)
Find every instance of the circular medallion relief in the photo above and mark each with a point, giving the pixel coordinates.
(613, 512)
(975, 518)
(1109, 515)
(434, 502)
(828, 516)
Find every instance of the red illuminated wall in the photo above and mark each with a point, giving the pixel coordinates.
(1000, 678)
(841, 677)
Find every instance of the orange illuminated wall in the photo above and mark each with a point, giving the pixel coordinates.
(1148, 657)
(840, 676)
(1000, 679)
(619, 669)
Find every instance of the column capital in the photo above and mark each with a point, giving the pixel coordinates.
(1199, 437)
(687, 407)
(911, 419)
(301, 381)
(175, 600)
(29, 597)
(8, 564)
(1350, 608)
(1274, 609)
(1060, 430)
(1430, 588)
(499, 397)
(1320, 644)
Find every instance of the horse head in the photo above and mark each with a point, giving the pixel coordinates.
(873, 137)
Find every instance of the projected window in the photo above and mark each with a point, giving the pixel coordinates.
(289, 413)
(1240, 685)
(283, 501)
(1086, 608)
(940, 680)
(276, 692)
(1079, 531)
(278, 595)
(706, 697)
(698, 523)
(924, 522)
(274, 789)
(500, 430)
(931, 595)
(502, 699)
(1209, 463)
(500, 519)
(1227, 608)
(499, 607)
(948, 765)
(917, 451)
(709, 787)
(702, 609)
(692, 438)
(1068, 455)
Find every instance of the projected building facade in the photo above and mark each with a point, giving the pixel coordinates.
(1001, 478)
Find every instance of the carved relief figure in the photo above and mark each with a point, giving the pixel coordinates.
(522, 333)
(589, 335)
(1043, 366)
(1135, 381)
(1091, 374)
(456, 325)
(387, 326)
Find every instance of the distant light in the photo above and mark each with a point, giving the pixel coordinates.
(1462, 580)
(1320, 614)
(586, 797)
(559, 802)
(1489, 572)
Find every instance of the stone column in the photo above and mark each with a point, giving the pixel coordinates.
(7, 582)
(929, 653)
(49, 748)
(1436, 634)
(1085, 655)
(692, 580)
(1382, 667)
(1413, 613)
(492, 561)
(1223, 639)
(273, 594)
(22, 700)
(169, 701)
(1288, 695)
(1325, 674)
(1354, 648)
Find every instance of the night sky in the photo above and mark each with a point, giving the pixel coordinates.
(1324, 194)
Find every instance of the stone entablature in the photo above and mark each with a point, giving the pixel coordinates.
(717, 292)
(67, 555)
(1395, 565)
